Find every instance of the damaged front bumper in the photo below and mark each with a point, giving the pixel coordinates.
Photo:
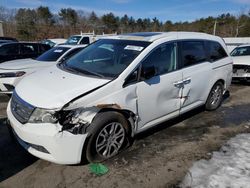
(48, 142)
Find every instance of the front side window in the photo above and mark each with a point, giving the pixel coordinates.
(241, 51)
(105, 58)
(193, 53)
(53, 54)
(163, 59)
(215, 51)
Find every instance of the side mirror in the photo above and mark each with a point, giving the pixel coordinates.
(147, 73)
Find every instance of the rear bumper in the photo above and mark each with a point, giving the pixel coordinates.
(45, 141)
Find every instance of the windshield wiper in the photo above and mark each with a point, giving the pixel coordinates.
(79, 71)
(84, 71)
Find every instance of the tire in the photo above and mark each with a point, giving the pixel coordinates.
(215, 97)
(106, 142)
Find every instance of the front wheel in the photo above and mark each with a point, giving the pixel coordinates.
(215, 97)
(108, 136)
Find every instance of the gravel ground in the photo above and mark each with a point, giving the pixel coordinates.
(159, 157)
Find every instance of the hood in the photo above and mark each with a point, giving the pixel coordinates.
(19, 64)
(52, 87)
(241, 60)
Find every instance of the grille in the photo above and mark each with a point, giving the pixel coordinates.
(246, 68)
(241, 66)
(21, 109)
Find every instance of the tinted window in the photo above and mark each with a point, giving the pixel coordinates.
(43, 48)
(215, 51)
(241, 51)
(85, 40)
(105, 58)
(29, 49)
(163, 59)
(53, 54)
(193, 52)
(9, 50)
(72, 52)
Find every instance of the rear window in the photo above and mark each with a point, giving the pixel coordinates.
(215, 51)
(53, 54)
(241, 51)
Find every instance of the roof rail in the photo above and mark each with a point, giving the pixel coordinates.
(93, 33)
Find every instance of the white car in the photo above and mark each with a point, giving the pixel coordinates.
(92, 104)
(241, 62)
(86, 38)
(11, 72)
(53, 42)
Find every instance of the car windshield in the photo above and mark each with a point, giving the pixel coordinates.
(53, 54)
(241, 51)
(105, 58)
(73, 40)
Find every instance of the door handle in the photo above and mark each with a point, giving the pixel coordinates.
(179, 84)
(187, 81)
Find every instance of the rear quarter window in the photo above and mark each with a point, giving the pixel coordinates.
(215, 51)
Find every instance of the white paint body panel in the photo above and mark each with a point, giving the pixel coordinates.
(152, 101)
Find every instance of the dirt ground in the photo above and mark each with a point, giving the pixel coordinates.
(159, 157)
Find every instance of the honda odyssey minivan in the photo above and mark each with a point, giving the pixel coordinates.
(92, 104)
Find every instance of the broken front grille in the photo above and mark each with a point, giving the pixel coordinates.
(21, 109)
(243, 67)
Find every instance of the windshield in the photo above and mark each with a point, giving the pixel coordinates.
(106, 57)
(241, 51)
(53, 54)
(73, 40)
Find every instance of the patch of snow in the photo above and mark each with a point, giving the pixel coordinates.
(228, 168)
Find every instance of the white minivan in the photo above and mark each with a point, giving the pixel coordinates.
(92, 104)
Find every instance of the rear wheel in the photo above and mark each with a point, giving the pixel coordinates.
(215, 97)
(107, 137)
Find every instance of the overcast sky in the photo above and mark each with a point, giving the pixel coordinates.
(174, 10)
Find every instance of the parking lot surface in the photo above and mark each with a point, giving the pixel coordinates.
(159, 157)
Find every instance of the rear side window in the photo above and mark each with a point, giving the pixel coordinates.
(215, 51)
(10, 49)
(29, 49)
(192, 52)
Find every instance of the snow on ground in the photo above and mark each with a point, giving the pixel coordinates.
(228, 168)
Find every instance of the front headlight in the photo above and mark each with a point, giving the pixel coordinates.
(43, 116)
(12, 74)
